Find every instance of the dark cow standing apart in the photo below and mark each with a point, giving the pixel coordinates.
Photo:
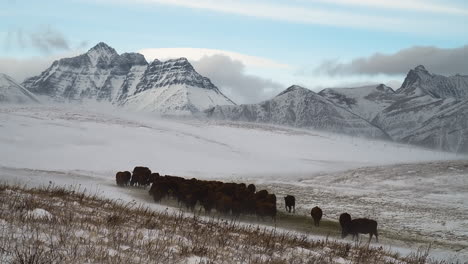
(316, 214)
(358, 226)
(290, 203)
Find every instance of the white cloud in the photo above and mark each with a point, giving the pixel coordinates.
(337, 14)
(198, 53)
(413, 5)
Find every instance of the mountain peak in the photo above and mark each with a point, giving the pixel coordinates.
(293, 88)
(413, 78)
(101, 54)
(421, 69)
(102, 46)
(384, 88)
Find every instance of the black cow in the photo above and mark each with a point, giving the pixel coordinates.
(316, 214)
(290, 203)
(359, 226)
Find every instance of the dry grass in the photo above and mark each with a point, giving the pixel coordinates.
(81, 228)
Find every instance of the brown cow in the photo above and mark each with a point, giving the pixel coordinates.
(265, 209)
(316, 214)
(261, 195)
(141, 176)
(120, 178)
(251, 188)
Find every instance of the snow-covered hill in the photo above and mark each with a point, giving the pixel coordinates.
(107, 140)
(83, 148)
(128, 80)
(14, 93)
(300, 107)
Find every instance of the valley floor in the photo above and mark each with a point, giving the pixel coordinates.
(418, 196)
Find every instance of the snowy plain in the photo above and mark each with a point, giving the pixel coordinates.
(83, 147)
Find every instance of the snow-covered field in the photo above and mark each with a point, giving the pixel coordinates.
(85, 147)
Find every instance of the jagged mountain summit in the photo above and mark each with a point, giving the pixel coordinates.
(14, 93)
(174, 86)
(428, 109)
(128, 80)
(432, 111)
(299, 107)
(420, 81)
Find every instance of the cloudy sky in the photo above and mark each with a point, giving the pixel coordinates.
(251, 49)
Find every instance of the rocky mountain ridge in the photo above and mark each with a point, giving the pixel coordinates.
(128, 80)
(429, 110)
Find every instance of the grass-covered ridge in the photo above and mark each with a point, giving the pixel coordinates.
(58, 225)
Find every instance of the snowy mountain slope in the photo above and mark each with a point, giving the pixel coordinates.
(300, 107)
(12, 92)
(365, 101)
(419, 82)
(174, 86)
(102, 74)
(446, 130)
(176, 99)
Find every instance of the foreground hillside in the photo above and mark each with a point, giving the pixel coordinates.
(57, 225)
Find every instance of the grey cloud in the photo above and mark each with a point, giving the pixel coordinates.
(20, 69)
(437, 60)
(44, 38)
(229, 75)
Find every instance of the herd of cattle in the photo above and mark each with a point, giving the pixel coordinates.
(230, 198)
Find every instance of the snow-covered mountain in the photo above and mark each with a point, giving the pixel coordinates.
(174, 86)
(365, 101)
(428, 110)
(432, 111)
(300, 107)
(12, 92)
(128, 80)
(419, 82)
